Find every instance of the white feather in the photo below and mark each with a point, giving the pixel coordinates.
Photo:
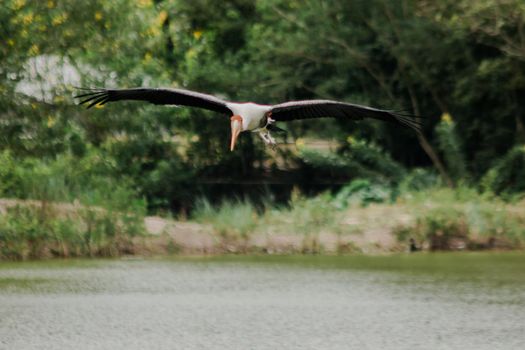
(251, 113)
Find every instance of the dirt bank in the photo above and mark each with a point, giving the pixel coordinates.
(366, 230)
(371, 230)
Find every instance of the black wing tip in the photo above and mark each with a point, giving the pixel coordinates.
(407, 113)
(412, 121)
(95, 96)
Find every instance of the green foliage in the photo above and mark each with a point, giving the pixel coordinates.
(507, 177)
(362, 192)
(463, 218)
(10, 177)
(374, 158)
(31, 231)
(357, 159)
(442, 224)
(450, 145)
(306, 217)
(237, 221)
(309, 216)
(419, 179)
(67, 178)
(73, 207)
(230, 220)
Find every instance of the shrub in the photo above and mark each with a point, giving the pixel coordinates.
(507, 177)
(231, 220)
(357, 159)
(451, 147)
(30, 230)
(362, 192)
(72, 207)
(67, 178)
(418, 180)
(373, 158)
(464, 218)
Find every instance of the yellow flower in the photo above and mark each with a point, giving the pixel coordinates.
(18, 4)
(144, 3)
(147, 57)
(197, 34)
(28, 19)
(50, 121)
(50, 4)
(446, 118)
(34, 50)
(152, 31)
(191, 53)
(57, 20)
(162, 17)
(98, 15)
(10, 42)
(195, 138)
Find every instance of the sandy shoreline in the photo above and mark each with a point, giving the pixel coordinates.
(190, 238)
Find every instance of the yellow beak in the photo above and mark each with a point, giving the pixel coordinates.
(236, 130)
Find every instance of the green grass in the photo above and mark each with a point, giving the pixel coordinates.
(236, 222)
(29, 231)
(69, 207)
(231, 220)
(479, 220)
(439, 219)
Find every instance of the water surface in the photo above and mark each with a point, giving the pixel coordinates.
(425, 301)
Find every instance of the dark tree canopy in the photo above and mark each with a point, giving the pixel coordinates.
(460, 64)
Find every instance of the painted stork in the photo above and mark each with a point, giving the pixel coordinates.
(249, 116)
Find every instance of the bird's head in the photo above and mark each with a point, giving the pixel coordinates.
(236, 125)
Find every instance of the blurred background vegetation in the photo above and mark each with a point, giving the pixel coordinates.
(458, 63)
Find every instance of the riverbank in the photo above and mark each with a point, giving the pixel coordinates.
(375, 229)
(366, 230)
(439, 220)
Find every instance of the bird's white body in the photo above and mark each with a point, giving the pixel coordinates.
(251, 113)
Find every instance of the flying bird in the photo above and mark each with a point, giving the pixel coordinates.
(249, 116)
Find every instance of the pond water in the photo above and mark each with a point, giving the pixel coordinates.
(420, 301)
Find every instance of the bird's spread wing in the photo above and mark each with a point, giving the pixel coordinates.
(179, 97)
(326, 108)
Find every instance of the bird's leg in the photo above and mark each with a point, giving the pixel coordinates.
(267, 138)
(264, 130)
